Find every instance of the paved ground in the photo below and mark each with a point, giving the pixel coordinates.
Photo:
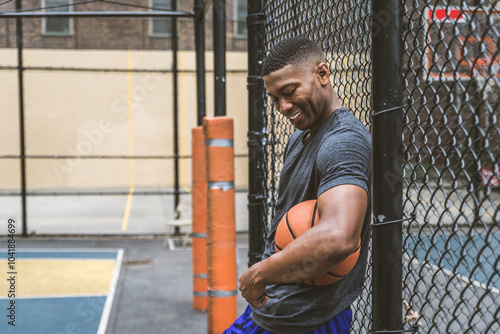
(103, 214)
(152, 297)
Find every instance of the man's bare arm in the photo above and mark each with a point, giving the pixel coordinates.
(342, 210)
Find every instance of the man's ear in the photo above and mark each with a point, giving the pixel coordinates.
(323, 72)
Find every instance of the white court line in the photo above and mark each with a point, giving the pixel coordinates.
(58, 250)
(452, 274)
(103, 324)
(58, 259)
(62, 250)
(83, 295)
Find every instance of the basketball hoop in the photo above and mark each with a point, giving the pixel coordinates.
(485, 71)
(461, 44)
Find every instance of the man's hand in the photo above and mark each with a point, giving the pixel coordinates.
(252, 288)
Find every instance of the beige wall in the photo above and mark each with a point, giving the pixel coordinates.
(109, 113)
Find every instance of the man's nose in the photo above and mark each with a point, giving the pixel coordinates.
(285, 106)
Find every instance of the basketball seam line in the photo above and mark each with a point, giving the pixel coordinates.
(329, 273)
(357, 248)
(314, 214)
(289, 228)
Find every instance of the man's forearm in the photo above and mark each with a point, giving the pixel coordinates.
(311, 255)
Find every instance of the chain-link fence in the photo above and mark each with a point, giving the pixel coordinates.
(97, 109)
(342, 29)
(451, 159)
(451, 135)
(85, 98)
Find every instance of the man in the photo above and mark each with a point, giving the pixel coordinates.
(328, 158)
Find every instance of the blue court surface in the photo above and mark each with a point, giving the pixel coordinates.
(473, 256)
(58, 290)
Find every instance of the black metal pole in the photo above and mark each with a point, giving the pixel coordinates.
(175, 110)
(219, 27)
(19, 40)
(387, 166)
(474, 165)
(256, 134)
(477, 140)
(200, 61)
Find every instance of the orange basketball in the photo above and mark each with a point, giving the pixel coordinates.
(296, 221)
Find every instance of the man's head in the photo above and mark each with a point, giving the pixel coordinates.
(297, 79)
(292, 51)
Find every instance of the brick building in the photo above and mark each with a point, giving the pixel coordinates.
(118, 33)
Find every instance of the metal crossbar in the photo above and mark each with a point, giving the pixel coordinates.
(108, 14)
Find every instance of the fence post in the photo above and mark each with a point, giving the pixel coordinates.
(221, 226)
(22, 142)
(219, 25)
(255, 86)
(200, 59)
(175, 111)
(387, 166)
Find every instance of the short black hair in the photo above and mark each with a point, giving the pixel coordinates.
(293, 50)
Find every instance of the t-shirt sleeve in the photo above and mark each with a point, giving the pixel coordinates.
(344, 159)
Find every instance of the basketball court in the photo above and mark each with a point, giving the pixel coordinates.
(460, 270)
(60, 289)
(93, 125)
(101, 285)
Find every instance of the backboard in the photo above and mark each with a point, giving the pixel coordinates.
(461, 43)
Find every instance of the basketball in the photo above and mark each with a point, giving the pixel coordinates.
(296, 221)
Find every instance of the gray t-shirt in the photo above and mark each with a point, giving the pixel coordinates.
(338, 153)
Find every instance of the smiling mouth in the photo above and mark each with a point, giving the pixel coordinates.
(294, 116)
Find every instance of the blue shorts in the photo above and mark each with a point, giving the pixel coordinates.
(340, 324)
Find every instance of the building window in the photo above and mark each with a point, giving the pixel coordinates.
(57, 26)
(240, 19)
(159, 26)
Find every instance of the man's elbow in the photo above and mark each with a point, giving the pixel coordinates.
(343, 246)
(348, 246)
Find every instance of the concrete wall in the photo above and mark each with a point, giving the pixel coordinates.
(109, 113)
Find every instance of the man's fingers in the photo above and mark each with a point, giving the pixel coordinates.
(261, 302)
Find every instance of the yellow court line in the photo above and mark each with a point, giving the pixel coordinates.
(130, 143)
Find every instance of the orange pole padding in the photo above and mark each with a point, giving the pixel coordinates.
(199, 205)
(221, 226)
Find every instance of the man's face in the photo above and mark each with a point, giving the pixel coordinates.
(297, 93)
